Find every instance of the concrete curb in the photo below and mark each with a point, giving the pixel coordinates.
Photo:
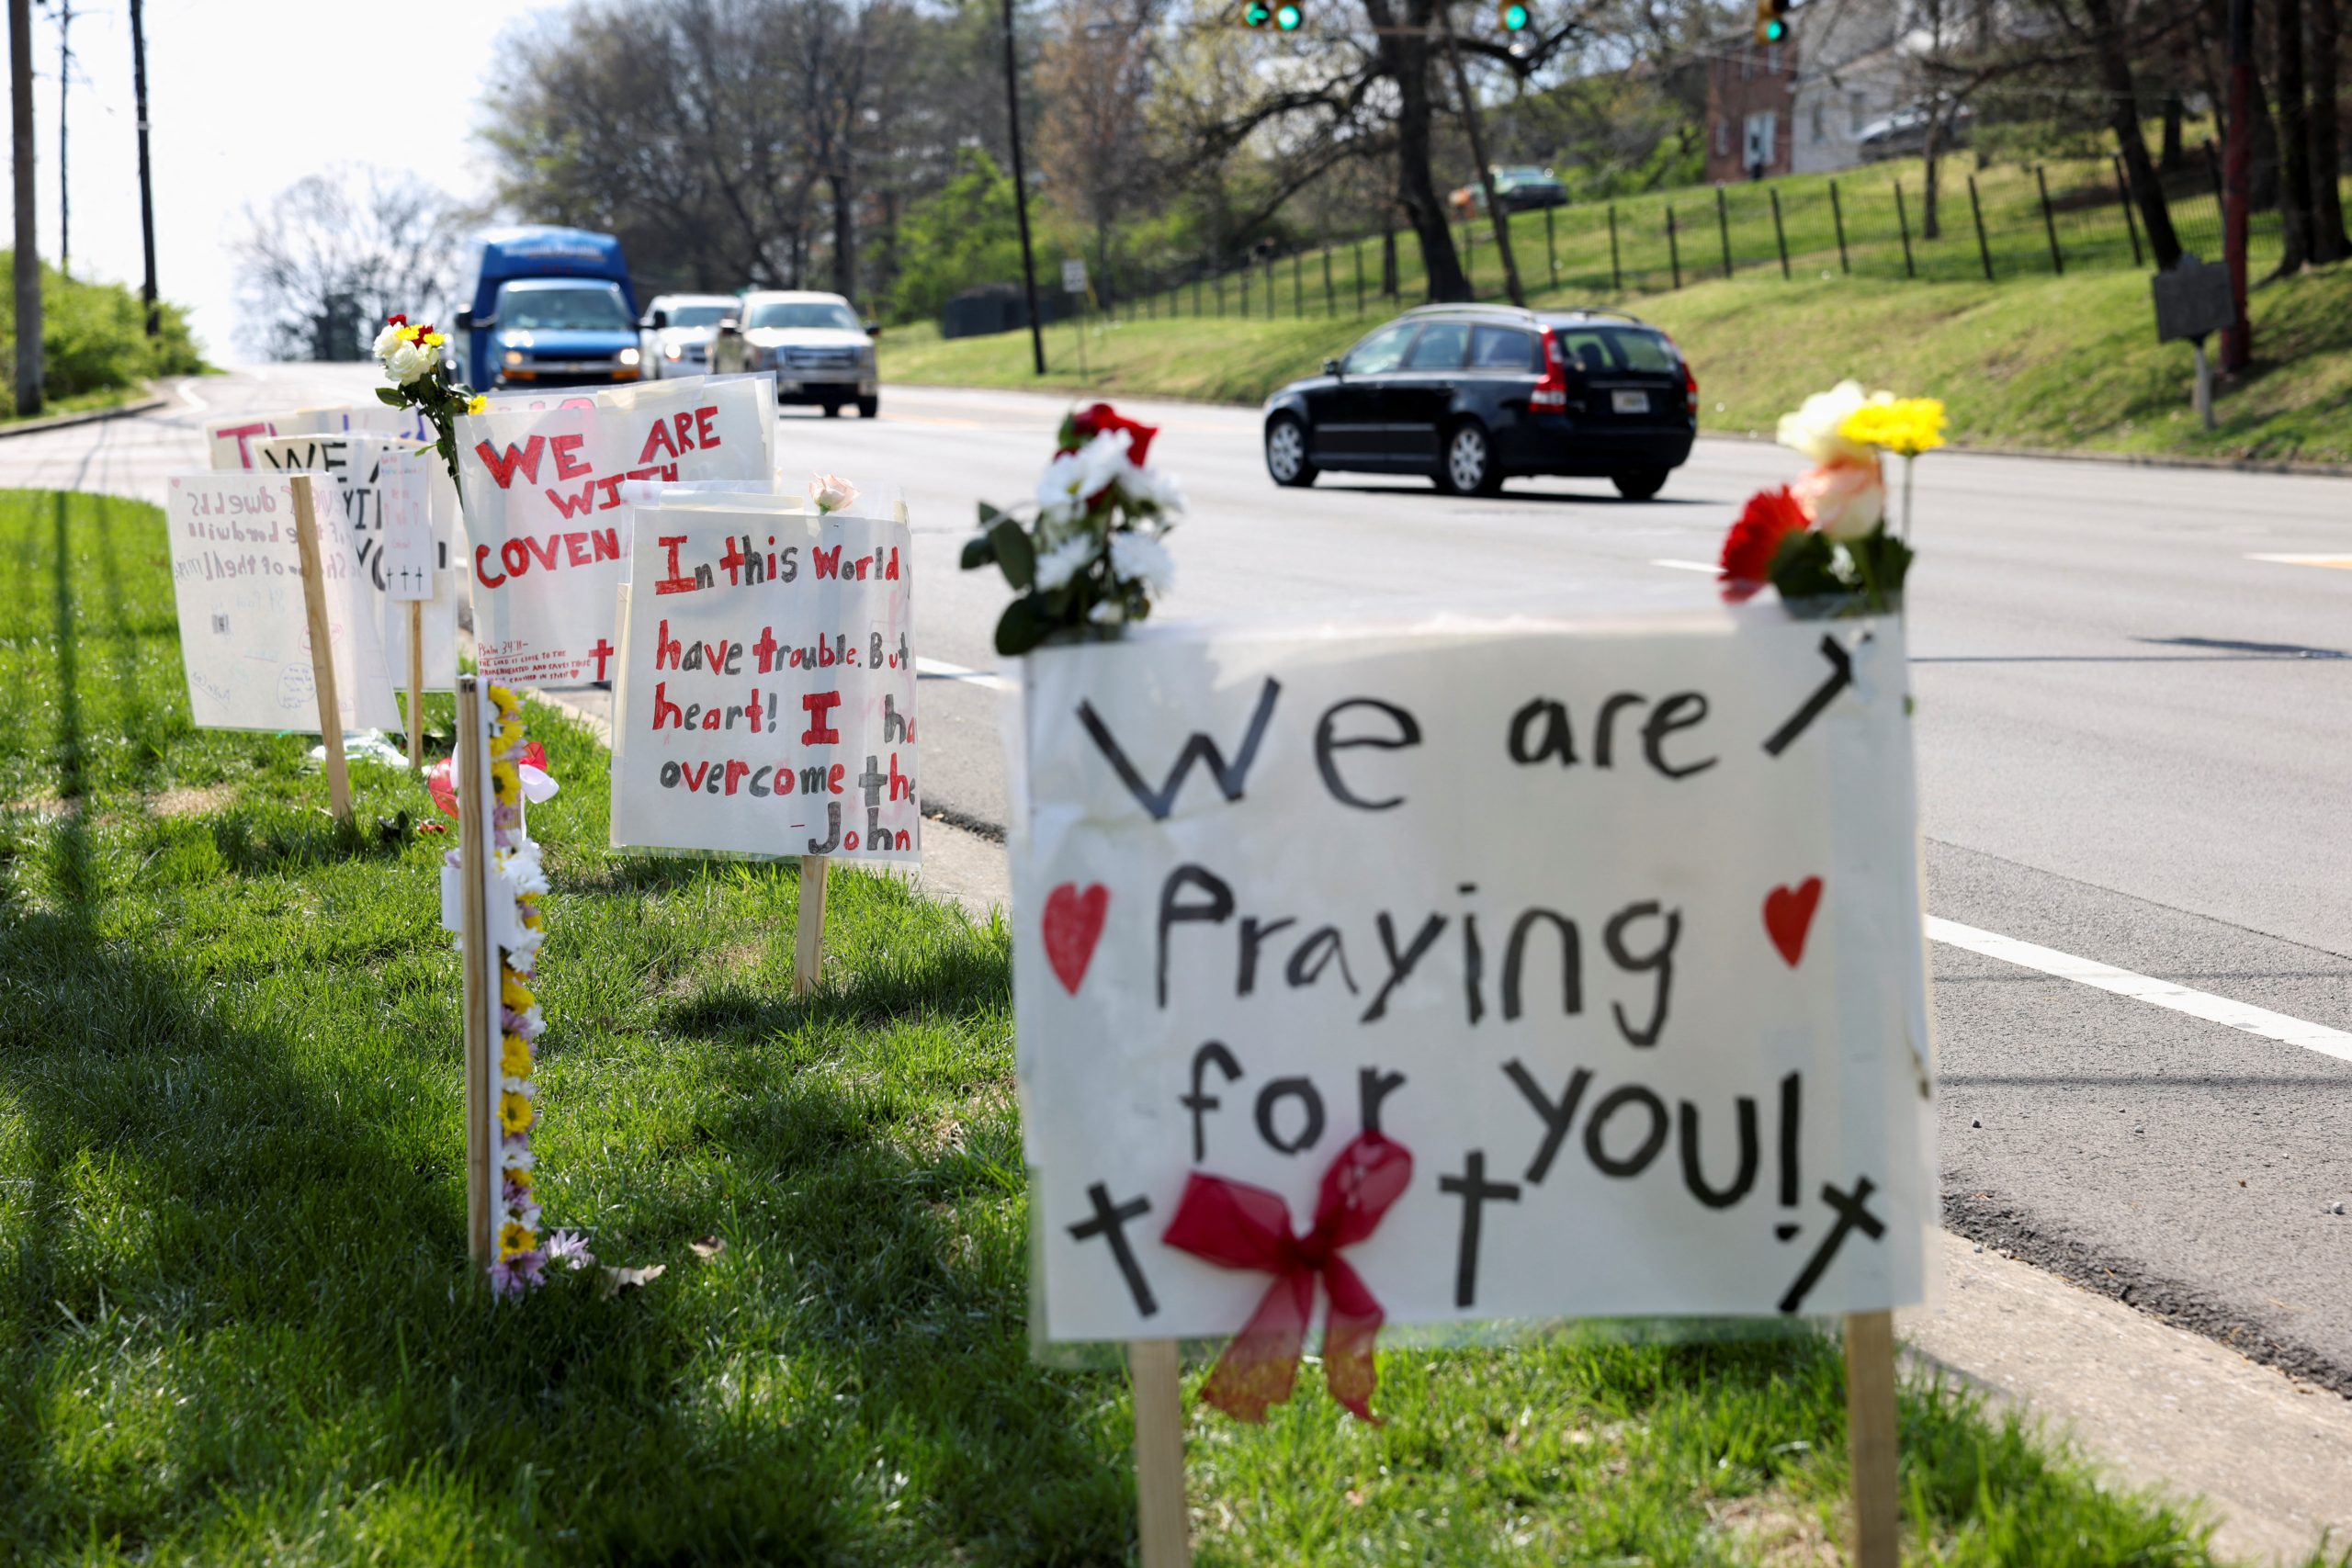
(147, 404)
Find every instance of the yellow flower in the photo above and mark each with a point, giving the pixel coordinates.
(519, 1178)
(435, 340)
(1907, 427)
(513, 992)
(514, 1058)
(514, 1238)
(477, 403)
(513, 1111)
(409, 334)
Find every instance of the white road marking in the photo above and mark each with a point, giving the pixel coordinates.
(2147, 988)
(187, 390)
(1710, 568)
(940, 670)
(2340, 561)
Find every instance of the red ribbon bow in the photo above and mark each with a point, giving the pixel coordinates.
(1239, 1226)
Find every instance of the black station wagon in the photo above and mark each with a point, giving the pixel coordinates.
(1471, 395)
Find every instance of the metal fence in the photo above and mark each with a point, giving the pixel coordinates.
(1992, 225)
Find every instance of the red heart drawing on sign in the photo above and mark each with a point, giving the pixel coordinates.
(1073, 925)
(1788, 915)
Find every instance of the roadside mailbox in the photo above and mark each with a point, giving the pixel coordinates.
(2192, 300)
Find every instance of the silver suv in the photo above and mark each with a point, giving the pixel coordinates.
(817, 348)
(676, 332)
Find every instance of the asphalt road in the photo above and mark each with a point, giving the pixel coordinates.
(2132, 732)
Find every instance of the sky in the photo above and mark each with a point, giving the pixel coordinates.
(244, 97)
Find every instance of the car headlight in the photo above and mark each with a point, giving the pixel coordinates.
(629, 357)
(672, 351)
(513, 356)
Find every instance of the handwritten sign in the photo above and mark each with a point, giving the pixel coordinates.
(244, 633)
(549, 522)
(1614, 927)
(766, 699)
(413, 560)
(354, 467)
(229, 441)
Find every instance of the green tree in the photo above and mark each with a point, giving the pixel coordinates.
(963, 236)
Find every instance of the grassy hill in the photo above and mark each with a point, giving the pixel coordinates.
(2067, 363)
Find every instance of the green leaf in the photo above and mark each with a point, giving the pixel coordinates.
(979, 550)
(1014, 553)
(1065, 439)
(989, 514)
(1804, 566)
(1022, 627)
(393, 396)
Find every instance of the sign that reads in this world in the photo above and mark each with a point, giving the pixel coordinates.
(548, 515)
(244, 627)
(766, 700)
(1613, 927)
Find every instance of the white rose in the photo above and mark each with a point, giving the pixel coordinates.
(831, 492)
(1102, 462)
(1149, 487)
(1139, 558)
(1813, 429)
(409, 361)
(1845, 499)
(1058, 488)
(386, 341)
(1065, 562)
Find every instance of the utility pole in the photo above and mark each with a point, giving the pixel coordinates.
(64, 82)
(1020, 189)
(2237, 184)
(146, 181)
(1495, 213)
(20, 83)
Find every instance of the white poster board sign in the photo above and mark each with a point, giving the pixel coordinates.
(766, 697)
(229, 440)
(1613, 927)
(351, 469)
(244, 629)
(549, 522)
(413, 560)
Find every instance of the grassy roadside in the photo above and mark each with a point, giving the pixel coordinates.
(2059, 364)
(233, 1320)
(78, 402)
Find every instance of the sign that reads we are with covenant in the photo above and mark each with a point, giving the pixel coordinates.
(766, 700)
(1612, 927)
(549, 522)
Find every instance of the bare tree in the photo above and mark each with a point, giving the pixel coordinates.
(1094, 87)
(320, 267)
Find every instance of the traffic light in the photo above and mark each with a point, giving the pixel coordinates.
(1514, 16)
(1771, 21)
(1257, 13)
(1287, 17)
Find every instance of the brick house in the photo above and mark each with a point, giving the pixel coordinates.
(1752, 109)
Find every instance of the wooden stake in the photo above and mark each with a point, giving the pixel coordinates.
(480, 968)
(1871, 1439)
(1152, 1372)
(808, 938)
(314, 601)
(416, 683)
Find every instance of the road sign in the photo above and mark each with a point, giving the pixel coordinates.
(2192, 299)
(1073, 276)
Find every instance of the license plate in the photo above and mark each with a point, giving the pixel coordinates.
(783, 386)
(1630, 403)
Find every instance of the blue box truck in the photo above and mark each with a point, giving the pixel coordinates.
(548, 307)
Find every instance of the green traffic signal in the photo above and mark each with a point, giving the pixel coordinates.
(1287, 17)
(1515, 17)
(1776, 31)
(1257, 13)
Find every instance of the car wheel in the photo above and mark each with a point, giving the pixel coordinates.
(1639, 484)
(1469, 466)
(833, 411)
(1286, 461)
(869, 408)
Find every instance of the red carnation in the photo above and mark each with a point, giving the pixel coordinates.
(1092, 422)
(396, 320)
(1771, 515)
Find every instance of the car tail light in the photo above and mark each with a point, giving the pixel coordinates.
(1691, 388)
(1551, 393)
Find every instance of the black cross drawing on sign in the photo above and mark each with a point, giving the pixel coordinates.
(1851, 1217)
(1821, 698)
(1110, 1223)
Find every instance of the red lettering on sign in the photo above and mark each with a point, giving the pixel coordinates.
(677, 582)
(572, 506)
(501, 470)
(658, 440)
(829, 562)
(705, 436)
(820, 731)
(575, 548)
(567, 465)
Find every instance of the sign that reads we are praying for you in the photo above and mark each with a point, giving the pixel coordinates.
(1612, 928)
(766, 700)
(547, 514)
